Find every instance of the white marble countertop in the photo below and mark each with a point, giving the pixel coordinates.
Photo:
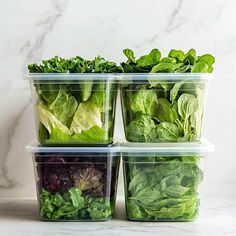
(19, 217)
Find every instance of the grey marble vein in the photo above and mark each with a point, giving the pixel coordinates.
(31, 51)
(173, 23)
(9, 183)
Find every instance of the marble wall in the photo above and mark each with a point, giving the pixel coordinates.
(32, 30)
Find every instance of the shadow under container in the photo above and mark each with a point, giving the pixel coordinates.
(165, 107)
(162, 182)
(74, 109)
(76, 183)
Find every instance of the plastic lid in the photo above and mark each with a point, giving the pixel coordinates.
(168, 148)
(34, 147)
(118, 76)
(69, 76)
(167, 76)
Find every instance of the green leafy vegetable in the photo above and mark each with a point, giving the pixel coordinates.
(172, 107)
(57, 135)
(141, 129)
(168, 132)
(144, 101)
(93, 135)
(149, 60)
(76, 198)
(130, 55)
(49, 120)
(200, 67)
(86, 116)
(100, 209)
(162, 187)
(86, 89)
(165, 112)
(72, 205)
(177, 54)
(64, 107)
(75, 111)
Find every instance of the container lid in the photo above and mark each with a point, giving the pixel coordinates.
(70, 76)
(168, 148)
(166, 76)
(117, 76)
(34, 147)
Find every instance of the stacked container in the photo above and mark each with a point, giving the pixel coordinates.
(76, 163)
(163, 118)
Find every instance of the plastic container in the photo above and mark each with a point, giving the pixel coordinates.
(76, 183)
(162, 181)
(74, 109)
(163, 107)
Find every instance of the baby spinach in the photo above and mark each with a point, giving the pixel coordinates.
(172, 107)
(162, 187)
(141, 129)
(177, 61)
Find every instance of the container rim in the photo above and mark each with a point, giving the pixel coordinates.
(35, 147)
(118, 76)
(71, 76)
(204, 146)
(167, 76)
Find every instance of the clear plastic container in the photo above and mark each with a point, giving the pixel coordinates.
(74, 109)
(163, 107)
(162, 181)
(76, 183)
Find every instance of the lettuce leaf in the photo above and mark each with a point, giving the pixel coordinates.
(58, 136)
(86, 116)
(86, 89)
(94, 135)
(49, 120)
(64, 107)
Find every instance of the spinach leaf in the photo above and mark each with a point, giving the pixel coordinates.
(141, 129)
(200, 67)
(167, 132)
(175, 90)
(165, 112)
(187, 105)
(163, 68)
(169, 187)
(190, 57)
(130, 55)
(207, 59)
(144, 101)
(149, 60)
(147, 196)
(177, 54)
